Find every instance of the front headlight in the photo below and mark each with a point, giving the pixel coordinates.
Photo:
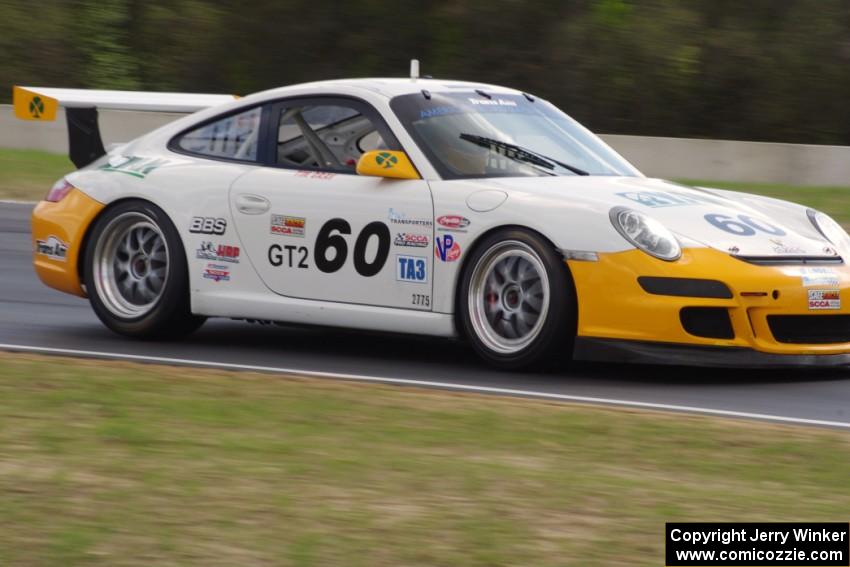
(830, 230)
(646, 233)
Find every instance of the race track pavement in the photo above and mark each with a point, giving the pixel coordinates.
(34, 317)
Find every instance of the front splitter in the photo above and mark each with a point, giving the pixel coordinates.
(668, 354)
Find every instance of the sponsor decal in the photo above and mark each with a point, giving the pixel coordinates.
(208, 225)
(781, 248)
(819, 277)
(446, 249)
(411, 269)
(657, 199)
(820, 299)
(411, 240)
(284, 225)
(133, 165)
(217, 272)
(491, 102)
(396, 217)
(315, 174)
(386, 160)
(218, 253)
(53, 248)
(437, 111)
(453, 222)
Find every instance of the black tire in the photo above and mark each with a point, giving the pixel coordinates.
(134, 313)
(478, 300)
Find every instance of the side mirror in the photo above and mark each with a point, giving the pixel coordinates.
(387, 163)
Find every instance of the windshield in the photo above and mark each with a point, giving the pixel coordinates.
(475, 134)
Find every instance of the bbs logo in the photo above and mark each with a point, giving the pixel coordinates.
(208, 225)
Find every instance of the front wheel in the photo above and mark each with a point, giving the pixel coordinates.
(135, 273)
(517, 301)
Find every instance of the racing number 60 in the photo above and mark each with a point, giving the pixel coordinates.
(326, 240)
(744, 226)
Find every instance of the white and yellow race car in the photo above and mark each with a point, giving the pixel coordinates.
(431, 207)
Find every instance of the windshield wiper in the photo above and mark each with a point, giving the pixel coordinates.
(519, 153)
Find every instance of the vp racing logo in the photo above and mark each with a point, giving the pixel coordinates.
(53, 248)
(446, 249)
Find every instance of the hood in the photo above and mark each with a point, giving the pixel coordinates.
(737, 226)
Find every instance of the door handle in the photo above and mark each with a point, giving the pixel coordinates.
(252, 204)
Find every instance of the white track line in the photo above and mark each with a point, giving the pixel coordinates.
(428, 384)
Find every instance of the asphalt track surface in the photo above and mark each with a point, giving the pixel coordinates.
(35, 318)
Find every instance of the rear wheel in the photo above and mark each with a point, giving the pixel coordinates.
(136, 274)
(517, 303)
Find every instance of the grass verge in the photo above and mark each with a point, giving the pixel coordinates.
(835, 201)
(26, 175)
(122, 464)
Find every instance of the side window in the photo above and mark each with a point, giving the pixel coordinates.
(325, 136)
(234, 137)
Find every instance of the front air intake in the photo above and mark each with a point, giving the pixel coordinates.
(810, 329)
(707, 322)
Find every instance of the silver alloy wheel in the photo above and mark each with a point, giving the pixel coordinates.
(508, 297)
(130, 265)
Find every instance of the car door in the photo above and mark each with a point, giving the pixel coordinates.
(314, 229)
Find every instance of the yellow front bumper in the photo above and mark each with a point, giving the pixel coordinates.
(58, 232)
(613, 305)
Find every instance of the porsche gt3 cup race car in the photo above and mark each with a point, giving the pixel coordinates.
(430, 207)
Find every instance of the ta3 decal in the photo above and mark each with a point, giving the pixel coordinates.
(411, 269)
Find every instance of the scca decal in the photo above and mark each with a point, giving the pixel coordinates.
(446, 249)
(821, 299)
(288, 226)
(208, 225)
(411, 240)
(412, 269)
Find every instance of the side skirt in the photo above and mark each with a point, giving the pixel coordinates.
(323, 313)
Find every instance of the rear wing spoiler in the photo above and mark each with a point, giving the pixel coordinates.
(81, 105)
